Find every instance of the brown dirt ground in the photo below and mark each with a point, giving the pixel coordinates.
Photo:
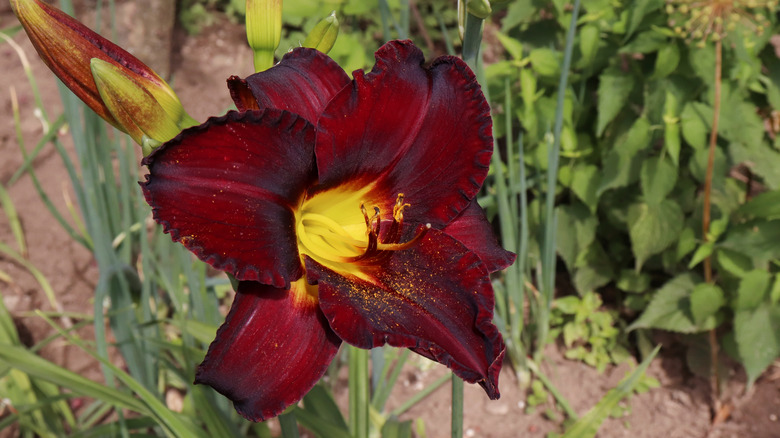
(202, 63)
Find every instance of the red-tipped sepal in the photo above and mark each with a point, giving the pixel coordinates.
(472, 229)
(273, 347)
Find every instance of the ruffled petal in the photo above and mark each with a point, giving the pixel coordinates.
(435, 298)
(273, 347)
(403, 128)
(472, 229)
(302, 82)
(228, 190)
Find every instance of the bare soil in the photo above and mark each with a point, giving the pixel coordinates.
(201, 64)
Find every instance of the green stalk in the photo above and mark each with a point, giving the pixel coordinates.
(550, 225)
(359, 400)
(413, 400)
(457, 407)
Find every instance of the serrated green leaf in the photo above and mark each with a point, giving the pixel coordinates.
(752, 289)
(511, 45)
(593, 269)
(639, 9)
(698, 166)
(630, 281)
(667, 60)
(757, 239)
(568, 305)
(622, 164)
(645, 42)
(763, 206)
(546, 62)
(733, 262)
(589, 36)
(764, 160)
(657, 179)
(652, 229)
(670, 308)
(740, 122)
(613, 92)
(706, 299)
(757, 335)
(695, 122)
(585, 181)
(686, 242)
(702, 252)
(576, 230)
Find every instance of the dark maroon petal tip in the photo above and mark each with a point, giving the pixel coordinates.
(302, 82)
(472, 229)
(241, 94)
(435, 299)
(423, 132)
(228, 190)
(273, 347)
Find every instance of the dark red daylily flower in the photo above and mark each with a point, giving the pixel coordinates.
(346, 210)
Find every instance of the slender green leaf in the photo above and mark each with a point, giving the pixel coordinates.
(589, 424)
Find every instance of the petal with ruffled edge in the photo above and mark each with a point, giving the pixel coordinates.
(273, 347)
(403, 128)
(435, 298)
(472, 229)
(228, 190)
(302, 82)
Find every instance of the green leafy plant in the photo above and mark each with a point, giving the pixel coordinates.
(638, 150)
(590, 333)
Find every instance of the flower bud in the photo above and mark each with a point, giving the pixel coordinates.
(67, 47)
(135, 109)
(263, 30)
(324, 34)
(479, 8)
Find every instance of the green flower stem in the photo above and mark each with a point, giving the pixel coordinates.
(457, 407)
(263, 59)
(472, 39)
(413, 400)
(359, 400)
(550, 218)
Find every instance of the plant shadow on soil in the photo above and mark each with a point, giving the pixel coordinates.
(202, 63)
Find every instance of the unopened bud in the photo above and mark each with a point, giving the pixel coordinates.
(324, 34)
(479, 8)
(131, 105)
(68, 48)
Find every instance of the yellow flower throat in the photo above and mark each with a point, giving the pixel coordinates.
(335, 233)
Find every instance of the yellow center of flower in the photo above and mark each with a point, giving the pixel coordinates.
(338, 231)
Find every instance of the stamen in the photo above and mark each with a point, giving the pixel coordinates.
(398, 208)
(405, 245)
